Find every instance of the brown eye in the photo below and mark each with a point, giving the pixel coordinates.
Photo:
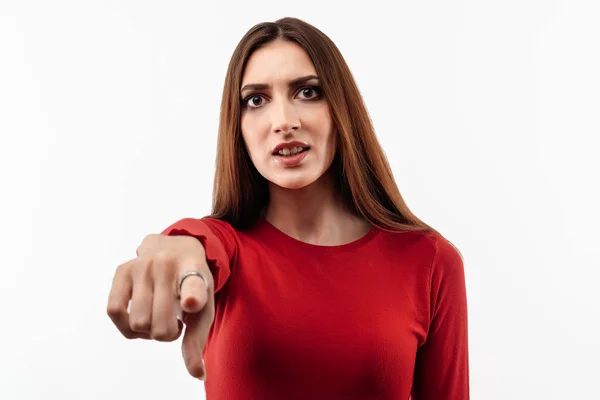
(254, 101)
(309, 93)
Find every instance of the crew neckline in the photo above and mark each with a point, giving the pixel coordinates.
(288, 240)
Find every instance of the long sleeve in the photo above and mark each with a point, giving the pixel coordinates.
(442, 365)
(218, 240)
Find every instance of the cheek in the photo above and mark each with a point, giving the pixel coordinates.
(318, 121)
(330, 135)
(331, 148)
(249, 135)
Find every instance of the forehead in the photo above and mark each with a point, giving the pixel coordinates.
(278, 62)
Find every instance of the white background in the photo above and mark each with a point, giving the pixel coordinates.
(487, 110)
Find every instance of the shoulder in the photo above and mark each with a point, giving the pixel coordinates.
(420, 244)
(446, 258)
(446, 270)
(428, 249)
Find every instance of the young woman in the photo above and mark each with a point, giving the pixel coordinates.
(311, 279)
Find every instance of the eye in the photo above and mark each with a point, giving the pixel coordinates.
(254, 101)
(310, 93)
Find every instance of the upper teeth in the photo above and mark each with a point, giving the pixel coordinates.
(291, 150)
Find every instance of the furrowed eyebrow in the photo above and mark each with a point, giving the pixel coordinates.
(293, 83)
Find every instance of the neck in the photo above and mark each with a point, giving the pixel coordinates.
(314, 214)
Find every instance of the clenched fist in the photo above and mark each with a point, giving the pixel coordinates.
(147, 302)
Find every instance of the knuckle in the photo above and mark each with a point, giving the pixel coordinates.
(164, 334)
(129, 334)
(140, 324)
(122, 269)
(114, 310)
(148, 244)
(149, 238)
(164, 257)
(164, 262)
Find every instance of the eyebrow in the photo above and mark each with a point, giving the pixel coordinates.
(293, 83)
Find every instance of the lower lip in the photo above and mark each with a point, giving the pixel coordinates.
(291, 161)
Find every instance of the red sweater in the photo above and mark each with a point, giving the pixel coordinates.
(383, 317)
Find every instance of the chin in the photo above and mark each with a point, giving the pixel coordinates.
(292, 184)
(292, 179)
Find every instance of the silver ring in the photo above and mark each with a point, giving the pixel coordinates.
(190, 273)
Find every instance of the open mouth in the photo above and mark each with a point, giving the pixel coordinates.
(290, 151)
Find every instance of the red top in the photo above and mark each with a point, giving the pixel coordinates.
(382, 317)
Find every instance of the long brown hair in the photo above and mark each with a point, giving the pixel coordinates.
(363, 175)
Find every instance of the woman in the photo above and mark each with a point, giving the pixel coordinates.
(311, 279)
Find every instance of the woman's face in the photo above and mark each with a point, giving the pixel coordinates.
(286, 123)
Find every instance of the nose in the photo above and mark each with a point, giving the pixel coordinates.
(284, 118)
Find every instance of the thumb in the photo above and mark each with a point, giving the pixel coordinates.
(193, 291)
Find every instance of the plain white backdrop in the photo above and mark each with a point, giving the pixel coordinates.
(488, 112)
